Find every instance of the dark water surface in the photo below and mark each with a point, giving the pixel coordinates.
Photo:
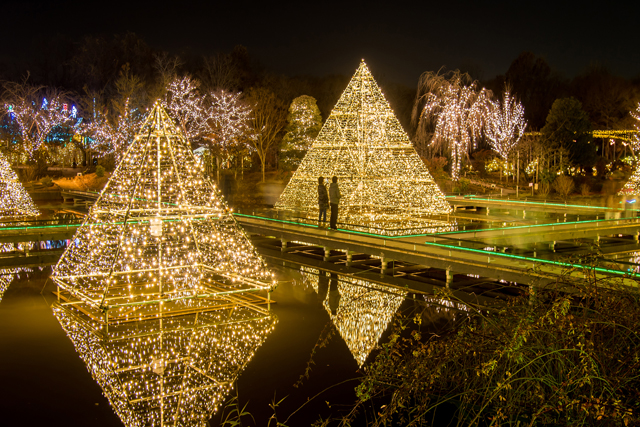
(44, 381)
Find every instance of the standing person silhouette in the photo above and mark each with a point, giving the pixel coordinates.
(323, 201)
(334, 198)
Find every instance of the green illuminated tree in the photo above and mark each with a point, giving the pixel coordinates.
(303, 125)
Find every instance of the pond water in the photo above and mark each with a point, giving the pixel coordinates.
(45, 381)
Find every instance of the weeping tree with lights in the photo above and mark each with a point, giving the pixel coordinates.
(304, 124)
(505, 124)
(450, 111)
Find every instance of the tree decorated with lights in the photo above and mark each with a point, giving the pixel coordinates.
(505, 125)
(453, 113)
(14, 199)
(169, 371)
(304, 124)
(36, 111)
(364, 145)
(632, 186)
(159, 239)
(186, 106)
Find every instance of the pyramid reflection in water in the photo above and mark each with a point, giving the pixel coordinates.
(172, 371)
(360, 310)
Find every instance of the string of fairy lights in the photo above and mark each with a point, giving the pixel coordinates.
(159, 238)
(364, 145)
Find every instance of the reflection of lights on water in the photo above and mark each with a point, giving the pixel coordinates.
(169, 371)
(363, 309)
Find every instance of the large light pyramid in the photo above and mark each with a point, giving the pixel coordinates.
(168, 372)
(14, 199)
(159, 239)
(364, 145)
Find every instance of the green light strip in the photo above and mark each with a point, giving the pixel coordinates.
(95, 223)
(527, 226)
(473, 197)
(341, 229)
(519, 257)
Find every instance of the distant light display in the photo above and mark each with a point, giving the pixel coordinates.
(364, 145)
(505, 125)
(632, 186)
(160, 239)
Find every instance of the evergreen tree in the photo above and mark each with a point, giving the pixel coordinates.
(303, 125)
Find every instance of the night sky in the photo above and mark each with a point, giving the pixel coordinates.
(398, 41)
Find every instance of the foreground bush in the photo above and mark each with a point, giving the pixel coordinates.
(566, 358)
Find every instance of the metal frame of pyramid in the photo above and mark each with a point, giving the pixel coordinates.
(168, 371)
(160, 240)
(363, 144)
(15, 201)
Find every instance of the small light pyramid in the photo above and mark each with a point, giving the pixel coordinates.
(168, 372)
(159, 239)
(364, 145)
(14, 199)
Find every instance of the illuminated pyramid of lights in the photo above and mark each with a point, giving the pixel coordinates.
(364, 145)
(14, 199)
(364, 309)
(159, 239)
(172, 371)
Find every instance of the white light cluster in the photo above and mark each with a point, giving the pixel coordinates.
(364, 145)
(160, 239)
(505, 124)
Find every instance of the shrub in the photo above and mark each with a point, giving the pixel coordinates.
(99, 171)
(584, 189)
(564, 185)
(47, 181)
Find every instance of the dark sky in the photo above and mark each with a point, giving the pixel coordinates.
(398, 40)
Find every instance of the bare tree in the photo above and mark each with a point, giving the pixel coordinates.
(268, 121)
(564, 185)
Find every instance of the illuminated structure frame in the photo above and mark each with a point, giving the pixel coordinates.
(379, 171)
(159, 241)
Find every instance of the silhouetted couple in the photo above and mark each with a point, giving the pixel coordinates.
(331, 199)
